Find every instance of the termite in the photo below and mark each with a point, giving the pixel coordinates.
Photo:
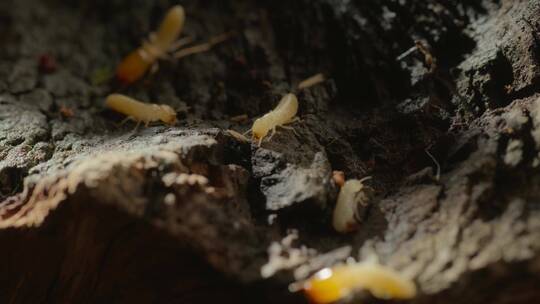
(333, 284)
(283, 114)
(139, 111)
(135, 65)
(353, 201)
(163, 44)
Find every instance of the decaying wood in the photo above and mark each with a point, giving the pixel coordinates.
(90, 211)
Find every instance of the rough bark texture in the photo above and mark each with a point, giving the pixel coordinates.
(91, 212)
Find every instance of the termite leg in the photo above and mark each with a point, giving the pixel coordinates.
(137, 126)
(124, 121)
(260, 141)
(295, 119)
(272, 134)
(180, 43)
(204, 47)
(289, 128)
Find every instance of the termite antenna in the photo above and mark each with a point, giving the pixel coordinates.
(204, 47)
(406, 53)
(438, 175)
(184, 109)
(311, 81)
(365, 179)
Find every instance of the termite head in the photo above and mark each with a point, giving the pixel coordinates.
(167, 114)
(324, 287)
(132, 68)
(259, 129)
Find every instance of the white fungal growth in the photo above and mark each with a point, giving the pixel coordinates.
(283, 255)
(169, 199)
(283, 114)
(354, 195)
(321, 261)
(140, 111)
(171, 179)
(514, 152)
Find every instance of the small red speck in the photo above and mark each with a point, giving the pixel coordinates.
(241, 60)
(47, 63)
(66, 112)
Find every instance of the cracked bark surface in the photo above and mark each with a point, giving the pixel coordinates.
(93, 212)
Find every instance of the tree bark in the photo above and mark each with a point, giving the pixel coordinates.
(435, 100)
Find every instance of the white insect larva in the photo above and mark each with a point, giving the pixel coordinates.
(140, 111)
(284, 113)
(333, 284)
(353, 197)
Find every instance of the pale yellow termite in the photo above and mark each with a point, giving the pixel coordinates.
(135, 65)
(283, 114)
(160, 45)
(139, 111)
(354, 198)
(333, 284)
